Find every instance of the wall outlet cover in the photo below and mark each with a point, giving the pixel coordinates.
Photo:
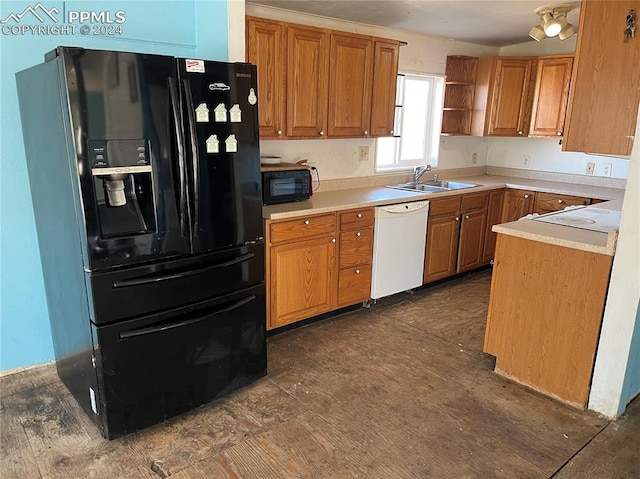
(590, 167)
(363, 153)
(526, 161)
(474, 158)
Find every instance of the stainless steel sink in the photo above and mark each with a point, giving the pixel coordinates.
(421, 187)
(433, 186)
(450, 185)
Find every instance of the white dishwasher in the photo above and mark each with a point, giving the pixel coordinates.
(399, 236)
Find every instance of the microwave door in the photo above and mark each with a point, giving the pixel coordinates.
(221, 125)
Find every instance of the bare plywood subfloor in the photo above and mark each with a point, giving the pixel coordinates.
(399, 390)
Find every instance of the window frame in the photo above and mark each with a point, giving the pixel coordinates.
(433, 122)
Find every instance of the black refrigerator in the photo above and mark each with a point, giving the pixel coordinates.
(145, 180)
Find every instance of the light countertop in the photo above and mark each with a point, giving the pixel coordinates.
(597, 242)
(329, 201)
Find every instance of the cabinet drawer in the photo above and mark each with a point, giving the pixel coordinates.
(354, 285)
(356, 247)
(442, 206)
(303, 227)
(475, 201)
(360, 218)
(553, 202)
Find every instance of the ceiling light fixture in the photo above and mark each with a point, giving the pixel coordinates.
(553, 22)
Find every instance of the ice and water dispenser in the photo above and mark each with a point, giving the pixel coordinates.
(123, 183)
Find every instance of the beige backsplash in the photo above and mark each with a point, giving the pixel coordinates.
(563, 177)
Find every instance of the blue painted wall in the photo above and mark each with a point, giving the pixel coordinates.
(631, 386)
(195, 28)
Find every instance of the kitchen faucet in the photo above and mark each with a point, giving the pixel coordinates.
(419, 171)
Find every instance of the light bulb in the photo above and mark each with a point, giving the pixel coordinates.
(552, 28)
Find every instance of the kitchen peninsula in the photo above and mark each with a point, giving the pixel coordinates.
(546, 306)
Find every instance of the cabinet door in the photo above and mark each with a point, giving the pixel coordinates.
(603, 103)
(473, 227)
(511, 98)
(442, 247)
(302, 282)
(494, 215)
(383, 100)
(517, 203)
(350, 85)
(266, 50)
(551, 96)
(354, 285)
(307, 75)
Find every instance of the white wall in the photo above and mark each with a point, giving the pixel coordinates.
(616, 346)
(236, 29)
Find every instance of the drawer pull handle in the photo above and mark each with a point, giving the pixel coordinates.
(560, 201)
(466, 217)
(457, 218)
(366, 132)
(526, 197)
(358, 234)
(279, 132)
(333, 240)
(306, 222)
(520, 133)
(359, 215)
(357, 271)
(321, 133)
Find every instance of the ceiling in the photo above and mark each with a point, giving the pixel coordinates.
(494, 23)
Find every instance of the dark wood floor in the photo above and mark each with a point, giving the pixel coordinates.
(399, 390)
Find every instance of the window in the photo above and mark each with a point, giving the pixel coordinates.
(418, 119)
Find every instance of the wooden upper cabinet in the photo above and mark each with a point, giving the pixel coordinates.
(307, 76)
(603, 102)
(385, 71)
(267, 50)
(551, 96)
(350, 85)
(504, 92)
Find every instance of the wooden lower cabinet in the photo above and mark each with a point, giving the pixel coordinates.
(355, 256)
(517, 203)
(494, 215)
(442, 247)
(471, 246)
(545, 313)
(302, 282)
(550, 202)
(456, 233)
(317, 263)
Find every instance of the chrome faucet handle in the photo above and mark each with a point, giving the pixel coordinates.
(435, 177)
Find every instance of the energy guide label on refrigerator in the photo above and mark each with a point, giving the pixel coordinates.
(235, 114)
(252, 97)
(232, 144)
(213, 145)
(202, 113)
(220, 113)
(194, 66)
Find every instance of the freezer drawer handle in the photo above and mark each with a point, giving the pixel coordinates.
(164, 327)
(154, 279)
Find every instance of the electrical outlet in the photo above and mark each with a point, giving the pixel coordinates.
(606, 169)
(590, 167)
(474, 158)
(526, 160)
(363, 153)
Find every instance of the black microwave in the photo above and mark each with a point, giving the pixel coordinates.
(283, 186)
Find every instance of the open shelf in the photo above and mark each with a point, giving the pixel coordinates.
(458, 95)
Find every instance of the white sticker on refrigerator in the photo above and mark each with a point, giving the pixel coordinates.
(213, 145)
(220, 113)
(194, 66)
(235, 114)
(232, 144)
(252, 97)
(202, 113)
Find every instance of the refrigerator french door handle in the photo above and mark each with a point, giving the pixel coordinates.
(164, 327)
(155, 279)
(195, 157)
(182, 168)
